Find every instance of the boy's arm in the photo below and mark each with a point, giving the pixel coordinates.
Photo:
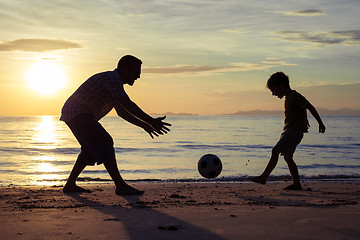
(316, 115)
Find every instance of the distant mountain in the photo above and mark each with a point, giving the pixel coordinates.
(173, 114)
(258, 113)
(322, 111)
(339, 112)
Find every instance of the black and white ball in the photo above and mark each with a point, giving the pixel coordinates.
(209, 166)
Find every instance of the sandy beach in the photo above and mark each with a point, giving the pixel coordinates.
(323, 210)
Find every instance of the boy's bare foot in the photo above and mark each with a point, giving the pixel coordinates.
(128, 190)
(74, 189)
(294, 187)
(258, 180)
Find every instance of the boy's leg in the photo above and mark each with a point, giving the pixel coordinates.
(122, 188)
(294, 174)
(269, 168)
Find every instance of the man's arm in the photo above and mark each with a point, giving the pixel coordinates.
(123, 113)
(128, 110)
(316, 115)
(132, 108)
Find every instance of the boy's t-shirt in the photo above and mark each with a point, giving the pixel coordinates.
(295, 113)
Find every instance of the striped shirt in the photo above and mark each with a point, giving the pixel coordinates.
(98, 96)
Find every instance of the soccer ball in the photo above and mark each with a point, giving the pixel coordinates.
(209, 166)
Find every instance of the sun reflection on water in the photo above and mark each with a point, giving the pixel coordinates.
(44, 164)
(46, 136)
(46, 172)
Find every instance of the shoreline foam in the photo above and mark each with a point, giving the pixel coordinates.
(241, 179)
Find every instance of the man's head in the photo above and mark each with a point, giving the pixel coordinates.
(129, 68)
(278, 84)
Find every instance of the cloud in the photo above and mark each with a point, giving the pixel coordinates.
(37, 45)
(281, 63)
(306, 12)
(233, 31)
(322, 39)
(188, 70)
(302, 13)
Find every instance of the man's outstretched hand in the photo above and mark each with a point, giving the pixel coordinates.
(158, 127)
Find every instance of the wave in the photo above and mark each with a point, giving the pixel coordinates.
(171, 148)
(233, 179)
(334, 146)
(227, 147)
(331, 166)
(75, 150)
(42, 148)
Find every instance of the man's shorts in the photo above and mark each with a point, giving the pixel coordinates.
(96, 143)
(288, 142)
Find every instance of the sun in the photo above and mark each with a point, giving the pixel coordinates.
(46, 77)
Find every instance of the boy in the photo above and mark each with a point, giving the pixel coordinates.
(296, 124)
(88, 104)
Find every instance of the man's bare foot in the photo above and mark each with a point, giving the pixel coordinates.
(74, 189)
(258, 180)
(128, 190)
(294, 187)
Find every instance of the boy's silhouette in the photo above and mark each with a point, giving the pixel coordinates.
(88, 104)
(296, 124)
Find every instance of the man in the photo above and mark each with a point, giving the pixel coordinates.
(95, 98)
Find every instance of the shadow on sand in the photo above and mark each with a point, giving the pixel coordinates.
(144, 222)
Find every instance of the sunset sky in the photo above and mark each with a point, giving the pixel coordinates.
(205, 57)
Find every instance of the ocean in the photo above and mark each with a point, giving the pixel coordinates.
(41, 150)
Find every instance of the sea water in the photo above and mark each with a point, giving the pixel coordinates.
(41, 150)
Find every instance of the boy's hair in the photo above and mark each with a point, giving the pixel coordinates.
(128, 60)
(277, 79)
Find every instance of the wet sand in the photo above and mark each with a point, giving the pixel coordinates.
(323, 210)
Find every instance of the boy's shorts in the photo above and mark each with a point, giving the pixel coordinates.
(288, 142)
(96, 143)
